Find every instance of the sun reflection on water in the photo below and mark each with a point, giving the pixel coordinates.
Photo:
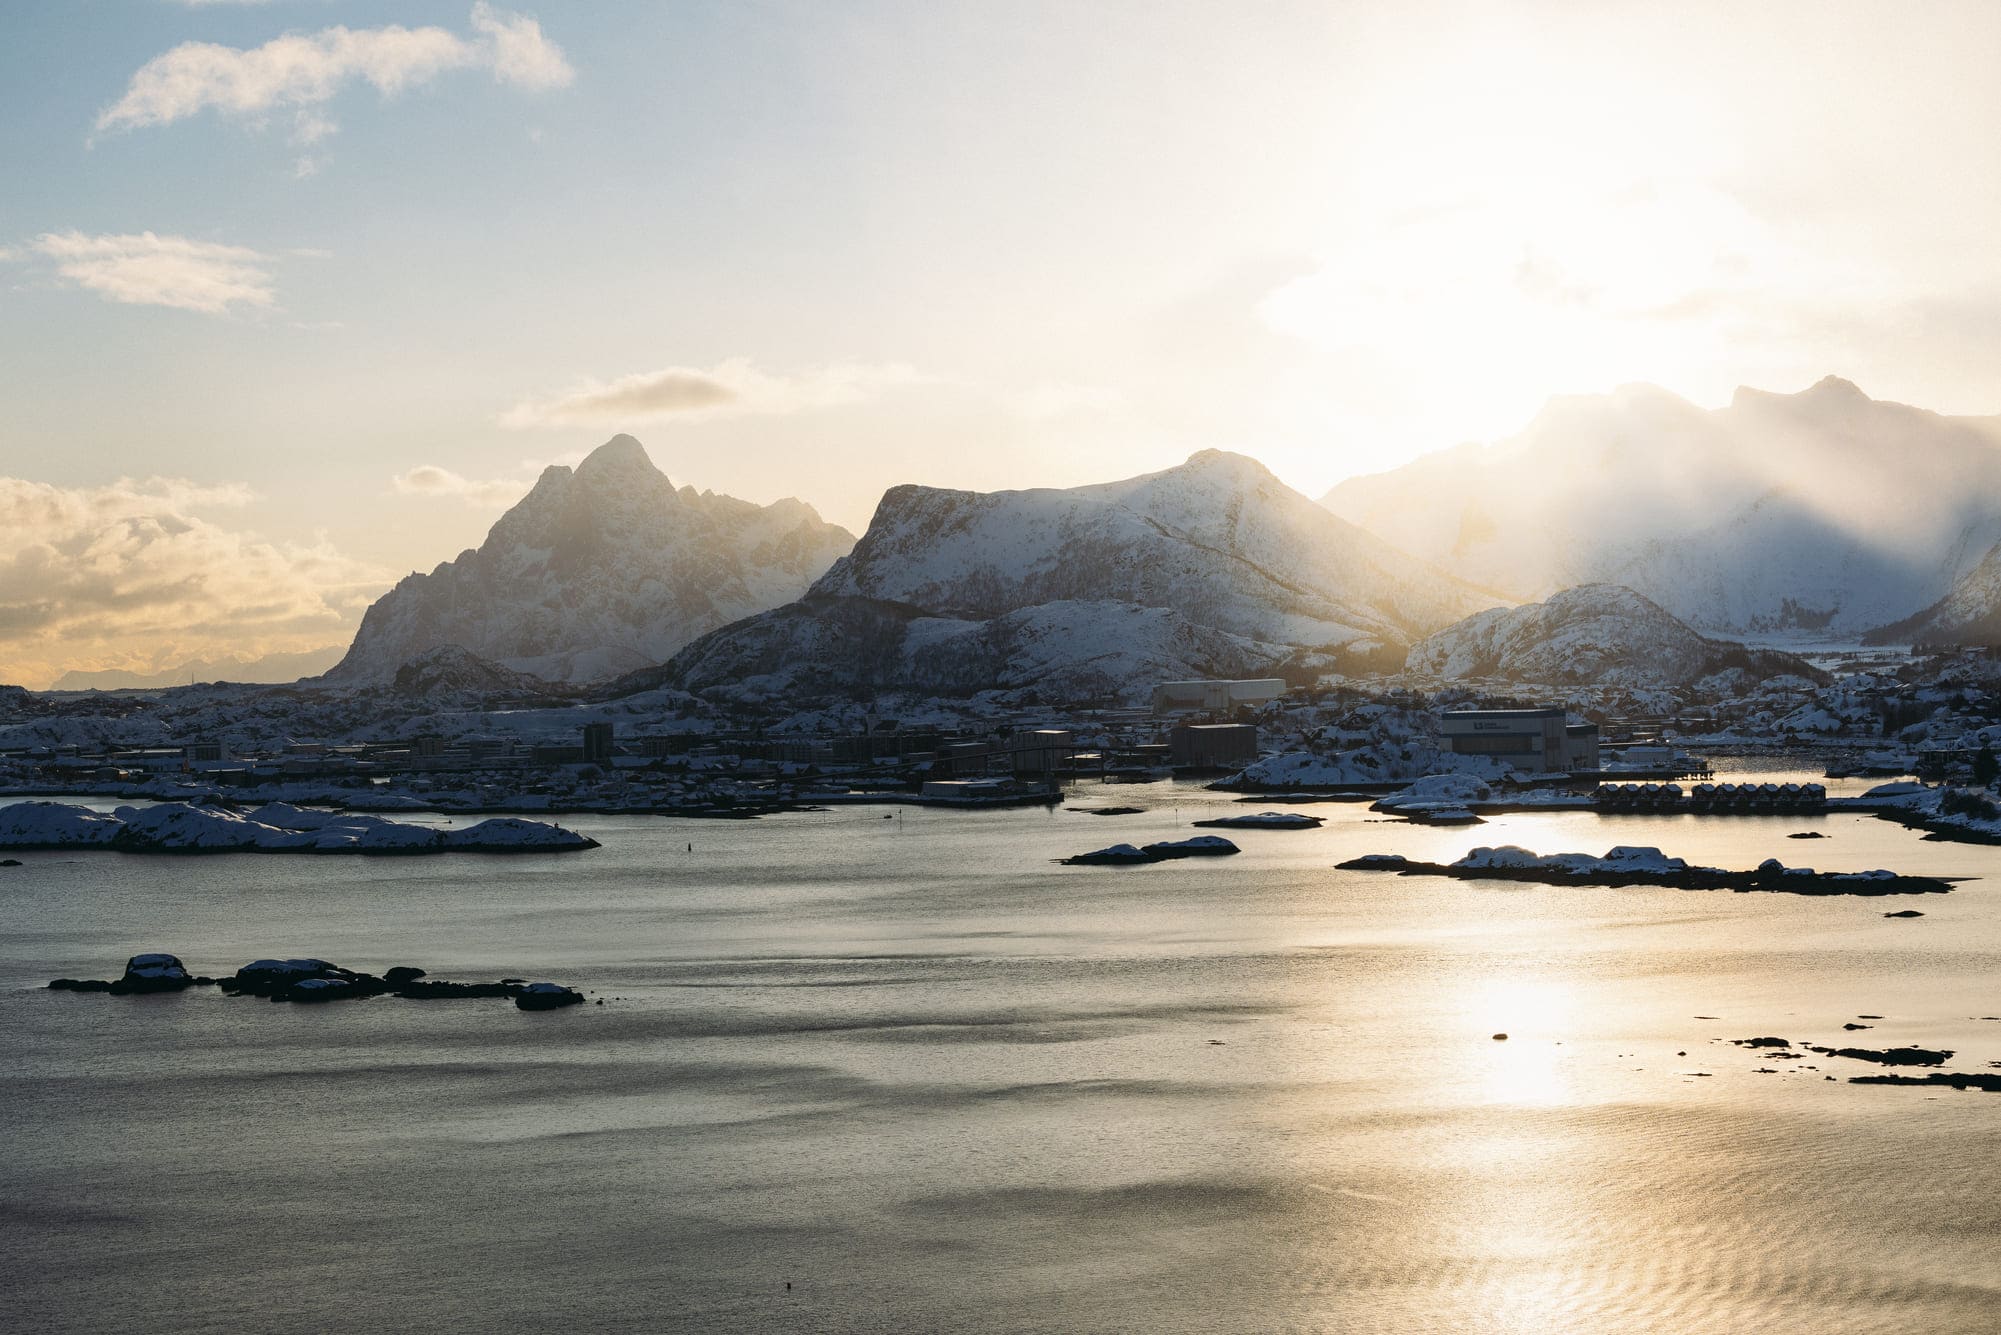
(1528, 1067)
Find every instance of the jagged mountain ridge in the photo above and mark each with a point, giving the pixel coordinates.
(1595, 634)
(1213, 568)
(598, 571)
(1824, 510)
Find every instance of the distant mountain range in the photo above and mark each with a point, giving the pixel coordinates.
(269, 669)
(1211, 568)
(1824, 510)
(596, 572)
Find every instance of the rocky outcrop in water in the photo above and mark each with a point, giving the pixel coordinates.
(315, 980)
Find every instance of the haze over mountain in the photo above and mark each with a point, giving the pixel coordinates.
(1969, 614)
(1213, 567)
(269, 669)
(1596, 634)
(598, 571)
(1822, 510)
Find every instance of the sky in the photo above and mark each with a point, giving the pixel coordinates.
(296, 296)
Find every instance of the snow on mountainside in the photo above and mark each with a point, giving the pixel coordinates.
(599, 571)
(1822, 510)
(1970, 614)
(1599, 634)
(1218, 539)
(825, 647)
(1212, 568)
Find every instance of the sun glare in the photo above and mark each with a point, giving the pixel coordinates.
(1535, 1013)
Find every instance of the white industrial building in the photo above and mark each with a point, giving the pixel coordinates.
(1539, 741)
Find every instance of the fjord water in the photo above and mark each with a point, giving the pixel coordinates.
(935, 1082)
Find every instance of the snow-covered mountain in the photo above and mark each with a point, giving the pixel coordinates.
(599, 571)
(1211, 568)
(1970, 614)
(1822, 510)
(1596, 634)
(1217, 539)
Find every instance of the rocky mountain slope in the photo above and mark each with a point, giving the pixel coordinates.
(1211, 568)
(1596, 634)
(1824, 510)
(1970, 614)
(596, 572)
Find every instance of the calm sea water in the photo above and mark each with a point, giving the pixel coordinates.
(934, 1082)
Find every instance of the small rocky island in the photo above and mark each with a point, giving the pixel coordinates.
(1628, 865)
(1263, 820)
(276, 827)
(1126, 855)
(310, 980)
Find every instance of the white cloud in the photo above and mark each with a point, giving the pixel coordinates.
(729, 388)
(519, 53)
(309, 69)
(145, 269)
(310, 128)
(132, 572)
(431, 480)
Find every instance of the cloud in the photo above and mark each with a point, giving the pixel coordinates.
(492, 493)
(729, 388)
(133, 573)
(309, 69)
(518, 52)
(145, 269)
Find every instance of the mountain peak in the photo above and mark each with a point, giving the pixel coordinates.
(1829, 389)
(1832, 388)
(620, 454)
(1224, 461)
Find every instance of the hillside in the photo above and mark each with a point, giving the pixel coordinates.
(1596, 634)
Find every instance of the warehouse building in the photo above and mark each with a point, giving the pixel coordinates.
(1538, 741)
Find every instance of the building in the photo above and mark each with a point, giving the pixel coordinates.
(1040, 750)
(1538, 741)
(1212, 746)
(597, 743)
(1214, 697)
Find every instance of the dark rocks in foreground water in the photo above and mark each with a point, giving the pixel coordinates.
(1945, 1079)
(143, 973)
(1906, 1056)
(315, 980)
(1889, 1056)
(547, 997)
(1649, 866)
